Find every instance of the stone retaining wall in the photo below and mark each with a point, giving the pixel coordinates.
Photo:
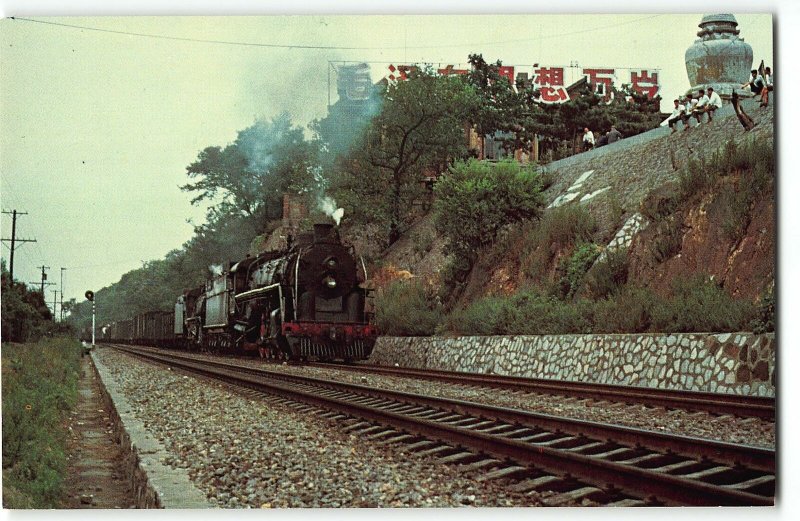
(741, 363)
(155, 485)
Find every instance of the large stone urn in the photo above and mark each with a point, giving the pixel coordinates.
(719, 59)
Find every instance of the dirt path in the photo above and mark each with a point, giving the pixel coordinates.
(94, 475)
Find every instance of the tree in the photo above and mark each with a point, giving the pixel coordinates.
(421, 126)
(25, 315)
(475, 199)
(250, 176)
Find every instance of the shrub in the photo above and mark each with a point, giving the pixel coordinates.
(475, 199)
(407, 308)
(696, 178)
(667, 239)
(39, 389)
(527, 312)
(629, 310)
(574, 268)
(764, 320)
(608, 275)
(698, 304)
(558, 229)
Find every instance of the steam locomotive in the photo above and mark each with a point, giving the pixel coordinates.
(304, 302)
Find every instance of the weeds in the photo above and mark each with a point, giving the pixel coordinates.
(39, 389)
(408, 308)
(609, 275)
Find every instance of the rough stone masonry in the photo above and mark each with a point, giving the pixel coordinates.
(741, 363)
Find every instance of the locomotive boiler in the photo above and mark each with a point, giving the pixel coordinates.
(306, 301)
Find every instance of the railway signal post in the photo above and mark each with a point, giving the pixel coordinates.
(90, 297)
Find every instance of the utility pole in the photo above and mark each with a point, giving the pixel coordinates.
(13, 240)
(55, 302)
(44, 277)
(62, 293)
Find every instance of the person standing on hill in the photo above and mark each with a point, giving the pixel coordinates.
(767, 87)
(588, 139)
(614, 135)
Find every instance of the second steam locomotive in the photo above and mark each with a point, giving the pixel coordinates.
(303, 302)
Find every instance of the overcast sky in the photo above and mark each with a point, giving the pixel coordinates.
(98, 127)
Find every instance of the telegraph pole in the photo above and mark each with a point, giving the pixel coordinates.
(13, 240)
(62, 293)
(55, 302)
(44, 277)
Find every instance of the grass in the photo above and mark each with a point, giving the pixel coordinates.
(39, 390)
(697, 304)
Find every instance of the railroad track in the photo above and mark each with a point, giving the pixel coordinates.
(579, 459)
(716, 403)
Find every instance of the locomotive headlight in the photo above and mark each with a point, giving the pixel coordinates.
(331, 263)
(329, 282)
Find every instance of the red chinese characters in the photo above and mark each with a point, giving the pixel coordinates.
(645, 82)
(604, 77)
(552, 76)
(450, 69)
(400, 72)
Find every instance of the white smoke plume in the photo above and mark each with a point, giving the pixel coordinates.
(328, 206)
(216, 269)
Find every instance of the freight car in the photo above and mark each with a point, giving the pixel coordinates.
(306, 301)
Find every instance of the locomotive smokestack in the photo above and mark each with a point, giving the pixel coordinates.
(323, 232)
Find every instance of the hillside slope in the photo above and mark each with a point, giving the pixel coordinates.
(617, 184)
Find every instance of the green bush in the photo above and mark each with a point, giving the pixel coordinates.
(609, 275)
(475, 199)
(574, 268)
(698, 304)
(407, 308)
(560, 228)
(527, 312)
(39, 390)
(667, 239)
(698, 177)
(629, 310)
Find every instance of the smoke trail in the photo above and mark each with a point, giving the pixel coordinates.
(328, 206)
(216, 269)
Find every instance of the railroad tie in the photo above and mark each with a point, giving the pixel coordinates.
(395, 439)
(503, 473)
(641, 459)
(752, 483)
(529, 485)
(419, 445)
(480, 464)
(675, 466)
(701, 474)
(435, 450)
(573, 495)
(628, 503)
(586, 446)
(455, 458)
(381, 434)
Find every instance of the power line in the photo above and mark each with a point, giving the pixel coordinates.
(331, 47)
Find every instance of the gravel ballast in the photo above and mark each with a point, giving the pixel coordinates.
(751, 431)
(244, 452)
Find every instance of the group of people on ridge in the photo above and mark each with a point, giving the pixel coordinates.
(688, 107)
(760, 85)
(612, 136)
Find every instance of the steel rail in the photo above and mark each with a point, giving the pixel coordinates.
(603, 472)
(718, 403)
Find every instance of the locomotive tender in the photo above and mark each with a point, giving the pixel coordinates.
(303, 302)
